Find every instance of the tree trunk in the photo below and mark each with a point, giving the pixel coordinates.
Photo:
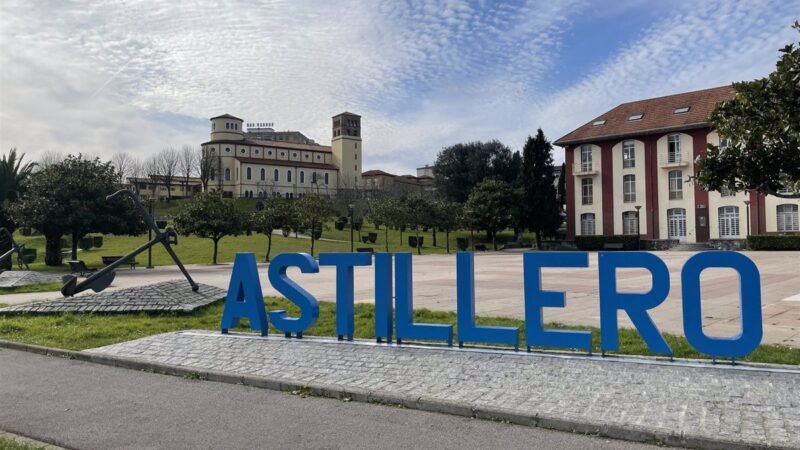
(387, 238)
(447, 239)
(214, 258)
(312, 244)
(75, 240)
(52, 254)
(401, 237)
(494, 240)
(269, 246)
(419, 246)
(434, 236)
(472, 238)
(538, 239)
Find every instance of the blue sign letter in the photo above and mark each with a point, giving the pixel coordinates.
(309, 308)
(635, 304)
(749, 304)
(384, 306)
(245, 299)
(405, 326)
(536, 299)
(467, 330)
(344, 263)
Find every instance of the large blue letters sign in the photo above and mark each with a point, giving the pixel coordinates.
(393, 274)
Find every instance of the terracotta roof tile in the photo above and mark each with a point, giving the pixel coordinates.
(658, 114)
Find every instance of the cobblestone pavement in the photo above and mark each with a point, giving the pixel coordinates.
(693, 401)
(165, 296)
(11, 278)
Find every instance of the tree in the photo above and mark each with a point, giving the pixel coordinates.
(136, 172)
(70, 198)
(14, 177)
(50, 158)
(168, 167)
(123, 162)
(420, 215)
(449, 216)
(760, 127)
(312, 212)
(562, 186)
(210, 216)
(277, 214)
(493, 206)
(187, 166)
(152, 169)
(459, 168)
(540, 212)
(208, 167)
(382, 211)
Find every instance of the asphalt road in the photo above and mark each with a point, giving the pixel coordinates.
(88, 406)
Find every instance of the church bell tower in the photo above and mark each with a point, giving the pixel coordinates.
(346, 149)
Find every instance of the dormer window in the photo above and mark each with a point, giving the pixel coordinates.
(681, 110)
(597, 123)
(635, 117)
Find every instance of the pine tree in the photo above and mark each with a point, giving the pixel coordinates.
(541, 211)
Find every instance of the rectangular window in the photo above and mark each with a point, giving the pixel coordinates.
(629, 188)
(728, 221)
(630, 223)
(628, 155)
(788, 218)
(586, 158)
(587, 224)
(725, 192)
(587, 191)
(674, 148)
(676, 185)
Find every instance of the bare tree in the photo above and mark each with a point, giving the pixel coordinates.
(187, 166)
(122, 161)
(152, 170)
(49, 158)
(136, 172)
(208, 168)
(168, 167)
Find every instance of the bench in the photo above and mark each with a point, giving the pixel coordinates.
(365, 250)
(108, 260)
(480, 247)
(613, 246)
(80, 268)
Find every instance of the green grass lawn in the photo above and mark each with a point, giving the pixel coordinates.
(82, 331)
(10, 444)
(39, 287)
(193, 250)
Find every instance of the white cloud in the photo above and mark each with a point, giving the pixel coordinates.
(138, 76)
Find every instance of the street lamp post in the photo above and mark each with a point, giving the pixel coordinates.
(150, 235)
(747, 205)
(638, 230)
(350, 208)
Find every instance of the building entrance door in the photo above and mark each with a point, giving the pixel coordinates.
(676, 224)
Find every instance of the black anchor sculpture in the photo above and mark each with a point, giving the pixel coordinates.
(103, 278)
(6, 238)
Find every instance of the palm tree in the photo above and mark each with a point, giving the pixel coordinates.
(14, 175)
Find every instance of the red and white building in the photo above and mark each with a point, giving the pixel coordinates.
(639, 157)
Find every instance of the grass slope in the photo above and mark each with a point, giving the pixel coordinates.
(81, 331)
(39, 287)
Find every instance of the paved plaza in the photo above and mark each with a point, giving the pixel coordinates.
(498, 282)
(14, 278)
(691, 404)
(172, 296)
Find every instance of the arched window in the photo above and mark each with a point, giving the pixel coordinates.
(675, 185)
(249, 173)
(587, 224)
(227, 174)
(787, 218)
(728, 222)
(289, 176)
(263, 174)
(302, 176)
(275, 175)
(630, 224)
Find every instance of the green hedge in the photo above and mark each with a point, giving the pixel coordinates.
(629, 242)
(773, 242)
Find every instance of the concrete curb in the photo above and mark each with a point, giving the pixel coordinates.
(577, 425)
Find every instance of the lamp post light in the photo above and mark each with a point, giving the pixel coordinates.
(350, 208)
(150, 235)
(638, 230)
(747, 205)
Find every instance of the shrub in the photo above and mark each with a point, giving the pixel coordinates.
(97, 241)
(86, 243)
(774, 242)
(629, 242)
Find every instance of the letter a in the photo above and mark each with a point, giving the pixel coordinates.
(245, 298)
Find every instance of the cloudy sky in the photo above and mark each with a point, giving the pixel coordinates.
(101, 77)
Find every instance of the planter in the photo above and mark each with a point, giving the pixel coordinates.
(339, 224)
(97, 241)
(462, 243)
(161, 224)
(357, 224)
(373, 237)
(415, 242)
(86, 243)
(365, 239)
(317, 232)
(285, 232)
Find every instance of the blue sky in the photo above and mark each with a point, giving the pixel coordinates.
(101, 77)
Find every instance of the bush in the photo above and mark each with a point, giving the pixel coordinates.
(629, 242)
(773, 242)
(86, 243)
(97, 241)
